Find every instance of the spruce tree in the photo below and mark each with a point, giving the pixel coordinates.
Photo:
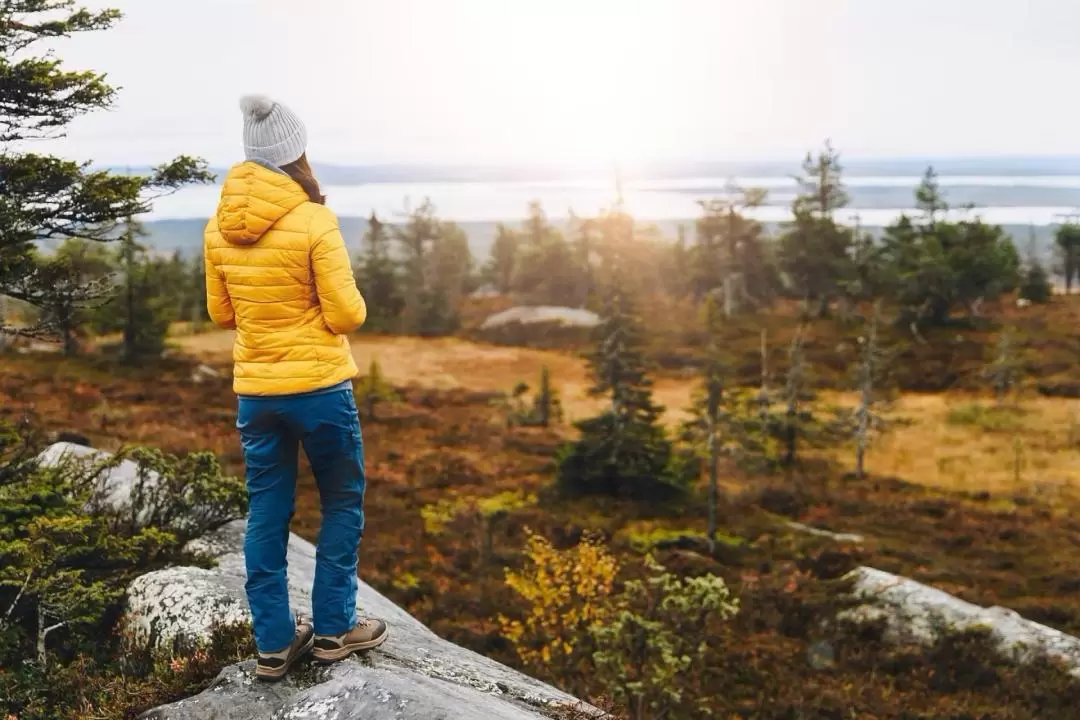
(931, 265)
(146, 313)
(1035, 285)
(417, 238)
(378, 278)
(1067, 238)
(76, 280)
(731, 253)
(545, 272)
(624, 451)
(502, 265)
(928, 196)
(815, 251)
(547, 408)
(450, 275)
(373, 389)
(44, 197)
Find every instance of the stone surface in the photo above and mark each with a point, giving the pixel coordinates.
(528, 315)
(114, 487)
(918, 614)
(416, 675)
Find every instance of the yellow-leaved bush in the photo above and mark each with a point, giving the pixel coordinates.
(644, 645)
(565, 593)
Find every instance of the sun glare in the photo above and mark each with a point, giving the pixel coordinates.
(594, 83)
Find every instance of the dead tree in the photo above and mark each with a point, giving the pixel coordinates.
(864, 416)
(793, 395)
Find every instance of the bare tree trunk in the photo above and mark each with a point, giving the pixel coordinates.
(3, 321)
(865, 411)
(794, 390)
(763, 394)
(714, 490)
(43, 634)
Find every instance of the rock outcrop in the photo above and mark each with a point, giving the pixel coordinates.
(114, 485)
(532, 315)
(416, 675)
(917, 614)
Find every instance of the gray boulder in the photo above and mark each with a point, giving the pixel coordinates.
(416, 675)
(113, 486)
(532, 315)
(916, 614)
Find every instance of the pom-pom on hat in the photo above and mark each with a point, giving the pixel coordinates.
(272, 132)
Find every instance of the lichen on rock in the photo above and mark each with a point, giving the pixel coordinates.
(416, 675)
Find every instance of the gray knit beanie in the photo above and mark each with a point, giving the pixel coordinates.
(272, 132)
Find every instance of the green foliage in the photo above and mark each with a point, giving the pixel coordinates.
(731, 252)
(146, 309)
(46, 198)
(544, 271)
(815, 252)
(1067, 239)
(439, 515)
(373, 389)
(67, 555)
(437, 272)
(625, 450)
(502, 266)
(935, 266)
(986, 418)
(1035, 286)
(650, 653)
(70, 285)
(132, 682)
(379, 279)
(646, 645)
(545, 410)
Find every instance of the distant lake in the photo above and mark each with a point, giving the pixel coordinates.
(876, 200)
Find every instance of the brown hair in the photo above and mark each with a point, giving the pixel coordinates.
(300, 171)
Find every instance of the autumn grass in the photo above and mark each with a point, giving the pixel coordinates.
(966, 442)
(434, 444)
(447, 363)
(955, 521)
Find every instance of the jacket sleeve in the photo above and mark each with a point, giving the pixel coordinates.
(343, 307)
(218, 304)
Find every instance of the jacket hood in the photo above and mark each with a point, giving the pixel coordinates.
(253, 199)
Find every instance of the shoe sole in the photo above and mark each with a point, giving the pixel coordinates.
(273, 675)
(331, 656)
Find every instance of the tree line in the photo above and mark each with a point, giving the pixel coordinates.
(926, 266)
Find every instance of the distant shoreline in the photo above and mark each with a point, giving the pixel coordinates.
(854, 166)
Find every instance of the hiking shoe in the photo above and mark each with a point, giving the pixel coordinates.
(366, 635)
(272, 666)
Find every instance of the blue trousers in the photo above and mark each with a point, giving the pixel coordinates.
(326, 423)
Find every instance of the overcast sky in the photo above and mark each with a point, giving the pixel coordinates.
(588, 80)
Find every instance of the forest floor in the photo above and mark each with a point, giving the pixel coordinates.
(975, 499)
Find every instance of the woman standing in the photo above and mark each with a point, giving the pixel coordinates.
(278, 272)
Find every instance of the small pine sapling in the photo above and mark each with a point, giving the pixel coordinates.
(373, 389)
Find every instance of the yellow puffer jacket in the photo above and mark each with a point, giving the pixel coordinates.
(277, 270)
